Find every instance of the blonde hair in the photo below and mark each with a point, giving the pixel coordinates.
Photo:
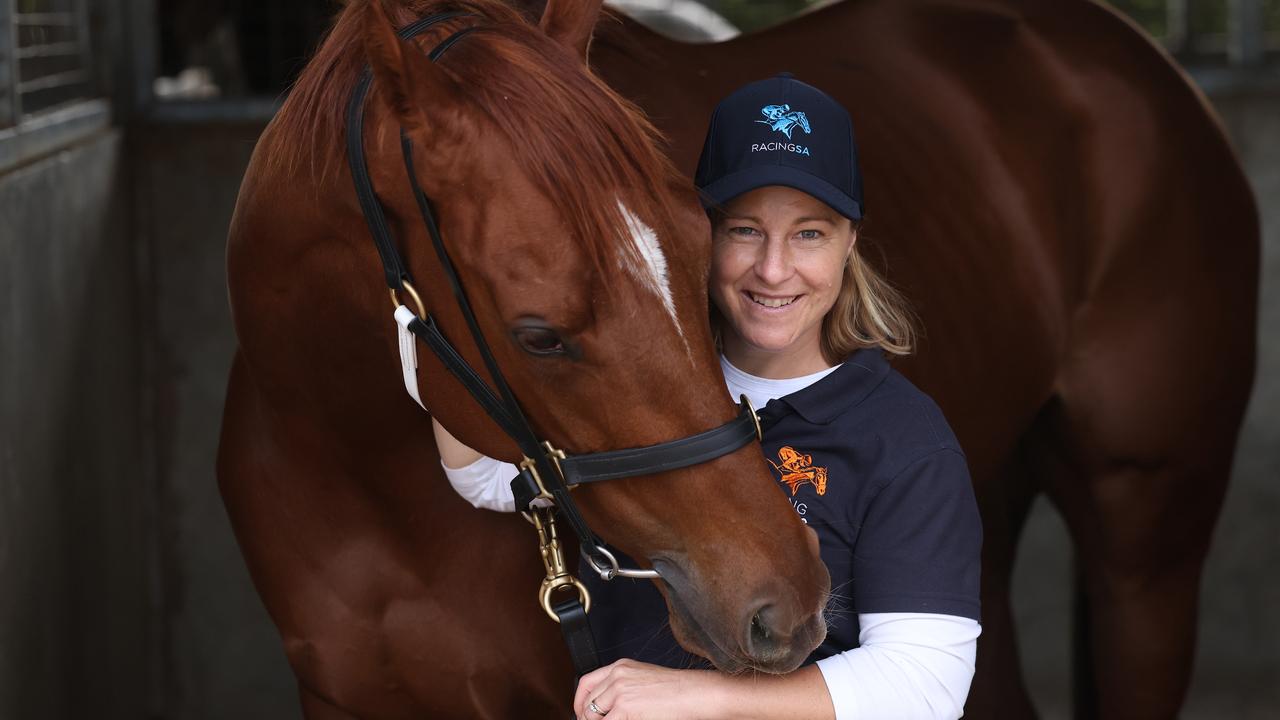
(868, 312)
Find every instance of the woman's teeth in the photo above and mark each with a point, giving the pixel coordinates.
(771, 302)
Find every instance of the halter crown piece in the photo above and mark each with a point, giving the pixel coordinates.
(546, 474)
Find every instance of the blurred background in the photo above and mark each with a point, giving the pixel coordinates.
(125, 128)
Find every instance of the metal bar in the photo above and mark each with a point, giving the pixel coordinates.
(239, 109)
(10, 103)
(85, 40)
(53, 81)
(143, 48)
(1246, 36)
(51, 50)
(54, 18)
(1175, 38)
(47, 132)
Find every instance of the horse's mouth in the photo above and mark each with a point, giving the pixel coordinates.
(690, 633)
(684, 625)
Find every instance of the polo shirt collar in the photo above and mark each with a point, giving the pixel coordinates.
(827, 399)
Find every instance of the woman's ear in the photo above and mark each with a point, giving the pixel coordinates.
(571, 22)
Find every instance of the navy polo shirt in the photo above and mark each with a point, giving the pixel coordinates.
(867, 460)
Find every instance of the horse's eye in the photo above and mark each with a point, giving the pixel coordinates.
(539, 341)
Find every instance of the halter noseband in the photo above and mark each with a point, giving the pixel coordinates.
(546, 473)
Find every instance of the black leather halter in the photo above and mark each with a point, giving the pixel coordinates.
(546, 473)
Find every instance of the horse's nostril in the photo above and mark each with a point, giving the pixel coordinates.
(759, 632)
(778, 636)
(762, 636)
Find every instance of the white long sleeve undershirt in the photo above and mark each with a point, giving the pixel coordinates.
(485, 483)
(907, 665)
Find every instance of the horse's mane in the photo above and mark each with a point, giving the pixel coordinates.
(526, 84)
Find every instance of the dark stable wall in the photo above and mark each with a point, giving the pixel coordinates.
(219, 654)
(73, 571)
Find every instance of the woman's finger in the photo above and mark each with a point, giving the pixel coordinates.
(588, 687)
(605, 700)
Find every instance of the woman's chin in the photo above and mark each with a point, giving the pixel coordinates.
(770, 342)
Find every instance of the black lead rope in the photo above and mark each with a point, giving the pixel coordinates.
(546, 470)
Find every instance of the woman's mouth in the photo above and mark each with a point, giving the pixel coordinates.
(771, 301)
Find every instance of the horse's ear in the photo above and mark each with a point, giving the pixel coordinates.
(403, 73)
(571, 23)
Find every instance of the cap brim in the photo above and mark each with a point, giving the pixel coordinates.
(734, 184)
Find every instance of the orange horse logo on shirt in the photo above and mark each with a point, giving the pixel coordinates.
(797, 469)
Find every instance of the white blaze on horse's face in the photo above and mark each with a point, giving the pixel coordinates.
(649, 265)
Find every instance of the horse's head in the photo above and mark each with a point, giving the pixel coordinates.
(586, 257)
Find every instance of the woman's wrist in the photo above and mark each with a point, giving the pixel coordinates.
(798, 694)
(722, 696)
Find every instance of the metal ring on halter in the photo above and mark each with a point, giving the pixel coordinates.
(754, 416)
(609, 573)
(549, 588)
(413, 295)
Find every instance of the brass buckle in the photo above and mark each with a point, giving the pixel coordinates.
(558, 575)
(528, 463)
(531, 465)
(556, 456)
(754, 416)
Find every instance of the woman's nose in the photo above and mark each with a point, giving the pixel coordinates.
(773, 264)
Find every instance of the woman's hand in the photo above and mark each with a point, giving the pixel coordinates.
(632, 690)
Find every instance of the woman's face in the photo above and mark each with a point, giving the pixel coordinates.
(776, 267)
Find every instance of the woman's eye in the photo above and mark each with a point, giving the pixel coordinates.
(744, 231)
(810, 234)
(539, 341)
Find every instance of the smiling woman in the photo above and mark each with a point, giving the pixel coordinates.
(777, 267)
(866, 459)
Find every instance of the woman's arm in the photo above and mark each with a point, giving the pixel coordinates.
(912, 665)
(909, 665)
(479, 479)
(632, 690)
(453, 454)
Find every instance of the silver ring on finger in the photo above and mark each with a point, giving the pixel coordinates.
(593, 707)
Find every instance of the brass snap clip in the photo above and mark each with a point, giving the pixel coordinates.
(558, 575)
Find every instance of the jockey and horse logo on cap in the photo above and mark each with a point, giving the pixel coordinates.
(781, 118)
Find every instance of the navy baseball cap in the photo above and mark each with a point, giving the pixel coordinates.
(781, 131)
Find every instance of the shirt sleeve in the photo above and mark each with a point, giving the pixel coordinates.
(920, 542)
(909, 665)
(485, 483)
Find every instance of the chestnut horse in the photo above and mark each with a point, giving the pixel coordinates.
(1053, 194)
(1063, 209)
(571, 233)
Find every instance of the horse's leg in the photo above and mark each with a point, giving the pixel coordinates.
(1139, 460)
(1141, 537)
(998, 689)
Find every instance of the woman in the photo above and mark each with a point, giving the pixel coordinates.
(866, 458)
